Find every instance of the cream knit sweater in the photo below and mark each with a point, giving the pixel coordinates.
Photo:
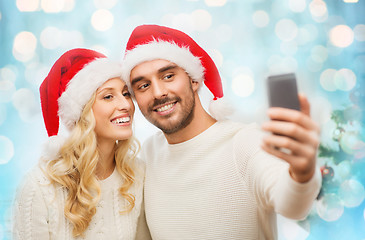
(39, 210)
(220, 185)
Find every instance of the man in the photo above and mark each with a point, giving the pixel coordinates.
(209, 179)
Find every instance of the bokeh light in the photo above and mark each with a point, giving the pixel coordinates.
(106, 4)
(319, 53)
(306, 33)
(215, 3)
(24, 46)
(260, 18)
(313, 66)
(352, 193)
(341, 36)
(8, 73)
(27, 5)
(330, 207)
(2, 113)
(349, 141)
(52, 6)
(217, 57)
(344, 169)
(278, 64)
(51, 38)
(289, 48)
(321, 110)
(7, 89)
(102, 20)
(297, 5)
(286, 29)
(182, 21)
(359, 32)
(345, 79)
(243, 85)
(328, 129)
(318, 9)
(24, 101)
(68, 5)
(6, 150)
(224, 32)
(35, 73)
(202, 20)
(327, 80)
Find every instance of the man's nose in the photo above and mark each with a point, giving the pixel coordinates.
(159, 90)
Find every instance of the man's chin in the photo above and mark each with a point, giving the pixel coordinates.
(168, 128)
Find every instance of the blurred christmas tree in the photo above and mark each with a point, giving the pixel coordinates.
(342, 160)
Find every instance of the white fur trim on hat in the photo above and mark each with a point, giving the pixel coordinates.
(52, 147)
(82, 86)
(159, 49)
(221, 108)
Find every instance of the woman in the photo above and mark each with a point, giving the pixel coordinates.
(90, 184)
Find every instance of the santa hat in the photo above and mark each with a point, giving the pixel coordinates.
(73, 79)
(150, 42)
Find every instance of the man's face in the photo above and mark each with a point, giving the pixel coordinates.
(165, 94)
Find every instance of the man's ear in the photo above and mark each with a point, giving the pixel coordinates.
(195, 85)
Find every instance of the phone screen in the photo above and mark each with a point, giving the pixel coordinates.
(283, 92)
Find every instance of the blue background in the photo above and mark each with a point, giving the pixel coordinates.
(323, 42)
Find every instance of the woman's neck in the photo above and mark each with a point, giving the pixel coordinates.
(106, 162)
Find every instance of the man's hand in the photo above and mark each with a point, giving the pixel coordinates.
(296, 132)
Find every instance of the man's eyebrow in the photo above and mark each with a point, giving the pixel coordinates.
(161, 70)
(136, 80)
(166, 68)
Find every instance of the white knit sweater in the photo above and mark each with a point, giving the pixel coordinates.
(39, 210)
(220, 185)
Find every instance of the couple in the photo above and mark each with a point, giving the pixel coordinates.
(198, 178)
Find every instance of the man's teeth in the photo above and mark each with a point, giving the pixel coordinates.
(121, 120)
(164, 108)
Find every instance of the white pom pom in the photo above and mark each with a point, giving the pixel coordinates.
(221, 108)
(52, 147)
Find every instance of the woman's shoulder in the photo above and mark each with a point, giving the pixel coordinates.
(34, 176)
(31, 185)
(33, 182)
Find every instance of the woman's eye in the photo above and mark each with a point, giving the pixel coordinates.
(108, 97)
(127, 94)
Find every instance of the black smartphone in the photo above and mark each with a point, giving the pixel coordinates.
(282, 91)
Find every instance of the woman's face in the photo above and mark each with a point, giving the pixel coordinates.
(113, 110)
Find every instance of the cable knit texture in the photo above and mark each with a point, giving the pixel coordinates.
(220, 185)
(38, 212)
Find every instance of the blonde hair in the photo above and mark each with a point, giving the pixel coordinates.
(75, 170)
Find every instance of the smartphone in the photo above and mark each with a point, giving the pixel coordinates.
(282, 91)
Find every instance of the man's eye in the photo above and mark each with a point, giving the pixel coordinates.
(168, 76)
(144, 86)
(108, 97)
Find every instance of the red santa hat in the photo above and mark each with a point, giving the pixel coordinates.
(73, 79)
(150, 42)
